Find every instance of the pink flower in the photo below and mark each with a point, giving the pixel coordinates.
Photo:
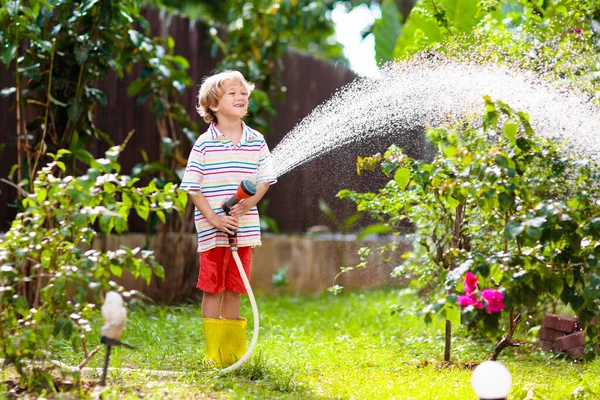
(469, 300)
(470, 282)
(494, 299)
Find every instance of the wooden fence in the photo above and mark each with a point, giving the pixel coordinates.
(309, 82)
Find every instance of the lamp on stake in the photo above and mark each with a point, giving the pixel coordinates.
(491, 380)
(114, 315)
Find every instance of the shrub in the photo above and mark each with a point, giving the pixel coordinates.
(517, 212)
(50, 276)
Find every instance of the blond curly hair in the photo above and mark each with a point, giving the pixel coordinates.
(211, 92)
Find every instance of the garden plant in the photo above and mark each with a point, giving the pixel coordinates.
(52, 276)
(506, 225)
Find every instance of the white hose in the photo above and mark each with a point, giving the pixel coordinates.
(242, 360)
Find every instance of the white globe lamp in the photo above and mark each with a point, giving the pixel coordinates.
(491, 380)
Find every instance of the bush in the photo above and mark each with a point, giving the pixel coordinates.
(518, 212)
(51, 278)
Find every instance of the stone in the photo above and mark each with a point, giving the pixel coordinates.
(561, 323)
(576, 352)
(571, 341)
(547, 345)
(550, 334)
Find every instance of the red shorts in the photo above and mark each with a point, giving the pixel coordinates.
(218, 271)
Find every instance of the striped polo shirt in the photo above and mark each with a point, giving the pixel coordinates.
(216, 167)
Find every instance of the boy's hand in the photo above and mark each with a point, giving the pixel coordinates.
(225, 223)
(240, 209)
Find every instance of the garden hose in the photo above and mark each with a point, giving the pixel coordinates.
(244, 190)
(245, 357)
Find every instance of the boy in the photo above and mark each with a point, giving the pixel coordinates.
(226, 154)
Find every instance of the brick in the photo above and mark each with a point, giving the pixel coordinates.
(550, 334)
(547, 345)
(571, 341)
(561, 323)
(576, 352)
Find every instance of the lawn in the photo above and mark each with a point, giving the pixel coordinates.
(345, 346)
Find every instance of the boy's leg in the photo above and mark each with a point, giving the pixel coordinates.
(211, 280)
(230, 308)
(211, 305)
(233, 346)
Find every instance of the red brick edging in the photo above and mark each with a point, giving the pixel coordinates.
(561, 333)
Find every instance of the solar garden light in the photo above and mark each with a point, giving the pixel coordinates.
(491, 380)
(114, 315)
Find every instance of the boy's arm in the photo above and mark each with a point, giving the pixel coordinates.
(244, 206)
(225, 223)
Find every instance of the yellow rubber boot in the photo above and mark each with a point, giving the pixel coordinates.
(213, 334)
(233, 342)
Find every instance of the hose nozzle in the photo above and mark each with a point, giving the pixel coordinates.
(245, 189)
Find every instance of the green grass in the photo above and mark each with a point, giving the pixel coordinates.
(347, 346)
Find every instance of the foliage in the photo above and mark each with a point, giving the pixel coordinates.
(51, 275)
(60, 51)
(342, 226)
(554, 38)
(256, 37)
(515, 210)
(306, 25)
(253, 37)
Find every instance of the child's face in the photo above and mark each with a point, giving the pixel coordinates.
(234, 103)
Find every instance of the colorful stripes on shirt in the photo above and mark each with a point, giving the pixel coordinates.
(216, 167)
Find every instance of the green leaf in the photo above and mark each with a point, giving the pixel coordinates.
(41, 195)
(181, 61)
(7, 91)
(386, 31)
(501, 161)
(496, 273)
(513, 229)
(402, 177)
(12, 7)
(8, 54)
(462, 14)
(452, 202)
(116, 269)
(135, 87)
(67, 329)
(182, 199)
(510, 130)
(351, 220)
(81, 53)
(569, 277)
(142, 210)
(325, 209)
(449, 151)
(375, 229)
(74, 111)
(161, 216)
(55, 101)
(167, 146)
(451, 313)
(419, 31)
(533, 233)
(505, 200)
(96, 95)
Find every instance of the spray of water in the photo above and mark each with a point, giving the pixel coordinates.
(429, 91)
